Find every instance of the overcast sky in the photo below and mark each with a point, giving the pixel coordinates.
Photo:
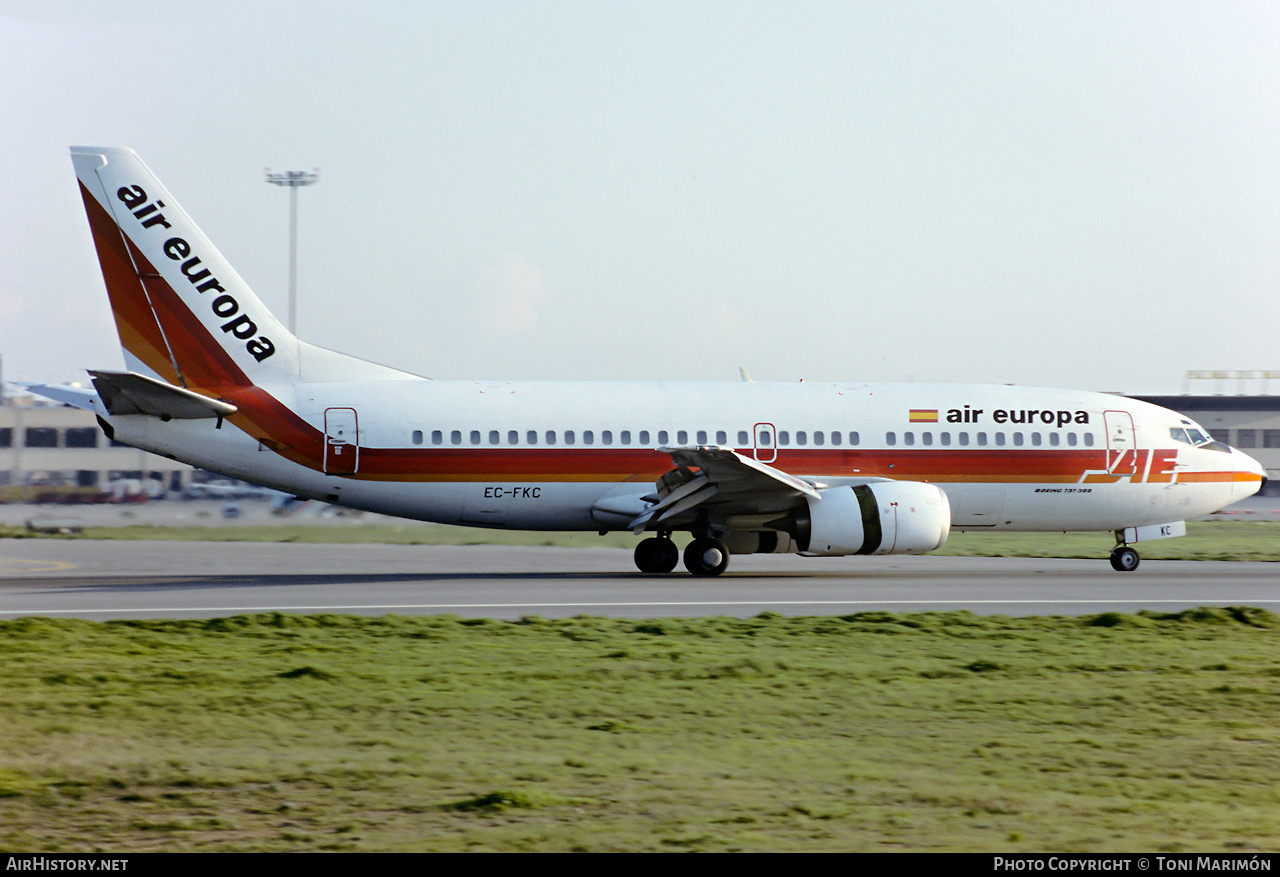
(1064, 193)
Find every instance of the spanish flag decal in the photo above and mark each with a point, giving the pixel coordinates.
(924, 415)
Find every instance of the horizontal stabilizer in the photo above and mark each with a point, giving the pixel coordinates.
(76, 397)
(131, 393)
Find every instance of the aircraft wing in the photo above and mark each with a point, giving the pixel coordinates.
(723, 477)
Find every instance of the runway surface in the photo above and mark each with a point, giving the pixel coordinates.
(125, 579)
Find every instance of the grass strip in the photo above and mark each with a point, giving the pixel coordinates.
(872, 731)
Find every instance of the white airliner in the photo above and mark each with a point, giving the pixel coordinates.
(215, 380)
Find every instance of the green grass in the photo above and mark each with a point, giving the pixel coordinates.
(1204, 541)
(875, 731)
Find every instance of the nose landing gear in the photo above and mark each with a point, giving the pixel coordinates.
(1124, 559)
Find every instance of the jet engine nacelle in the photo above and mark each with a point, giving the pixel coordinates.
(887, 517)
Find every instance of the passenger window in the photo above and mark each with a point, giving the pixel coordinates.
(784, 437)
(963, 438)
(1071, 439)
(764, 439)
(644, 437)
(624, 437)
(722, 438)
(606, 437)
(926, 438)
(835, 438)
(802, 438)
(531, 437)
(417, 436)
(568, 436)
(551, 436)
(493, 436)
(455, 437)
(1017, 438)
(818, 437)
(1054, 439)
(853, 438)
(1035, 439)
(588, 437)
(475, 436)
(1088, 439)
(682, 437)
(890, 438)
(908, 438)
(662, 436)
(982, 439)
(1000, 439)
(944, 439)
(513, 437)
(743, 438)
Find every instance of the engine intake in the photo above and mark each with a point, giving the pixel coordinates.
(887, 517)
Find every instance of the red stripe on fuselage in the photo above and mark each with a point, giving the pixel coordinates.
(621, 464)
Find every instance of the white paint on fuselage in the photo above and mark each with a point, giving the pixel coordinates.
(390, 411)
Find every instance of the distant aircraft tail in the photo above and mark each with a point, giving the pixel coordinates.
(184, 315)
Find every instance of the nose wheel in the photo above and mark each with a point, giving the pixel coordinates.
(1124, 559)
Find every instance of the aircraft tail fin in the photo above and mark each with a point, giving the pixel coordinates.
(183, 314)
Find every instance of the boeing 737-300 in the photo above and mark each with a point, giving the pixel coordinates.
(214, 380)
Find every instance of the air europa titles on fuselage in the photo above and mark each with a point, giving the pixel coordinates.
(224, 306)
(1046, 416)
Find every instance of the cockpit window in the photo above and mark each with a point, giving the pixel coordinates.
(1190, 434)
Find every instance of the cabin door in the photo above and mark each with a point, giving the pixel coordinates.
(1122, 446)
(341, 441)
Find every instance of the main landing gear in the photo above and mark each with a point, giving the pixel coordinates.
(657, 554)
(706, 557)
(703, 557)
(1124, 559)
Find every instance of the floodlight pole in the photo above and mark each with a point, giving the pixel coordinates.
(293, 180)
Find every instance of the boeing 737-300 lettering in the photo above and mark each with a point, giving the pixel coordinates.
(213, 379)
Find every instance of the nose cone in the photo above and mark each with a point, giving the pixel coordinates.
(1250, 476)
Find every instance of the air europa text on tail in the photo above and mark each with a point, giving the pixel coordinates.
(224, 306)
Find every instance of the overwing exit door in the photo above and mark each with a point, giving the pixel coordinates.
(765, 442)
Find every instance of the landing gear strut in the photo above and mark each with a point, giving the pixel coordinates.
(706, 557)
(657, 554)
(1124, 559)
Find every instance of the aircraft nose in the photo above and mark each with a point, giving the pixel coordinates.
(1247, 469)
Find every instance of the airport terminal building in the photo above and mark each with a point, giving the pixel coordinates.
(55, 453)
